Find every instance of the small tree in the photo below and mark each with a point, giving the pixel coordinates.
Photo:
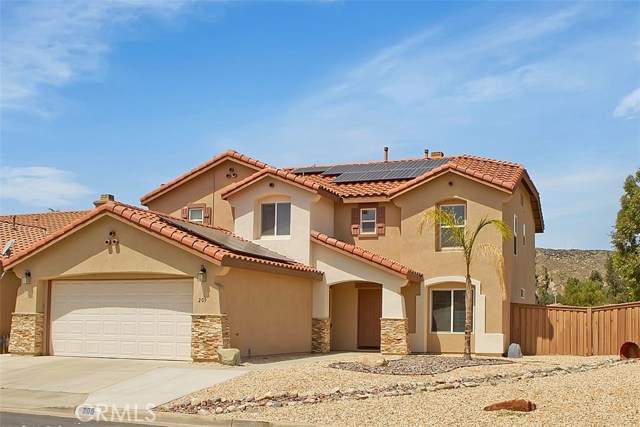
(584, 293)
(617, 291)
(626, 236)
(464, 238)
(544, 296)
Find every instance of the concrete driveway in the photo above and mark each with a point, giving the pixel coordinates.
(68, 382)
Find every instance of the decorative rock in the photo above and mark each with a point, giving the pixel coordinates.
(231, 408)
(527, 375)
(203, 412)
(195, 402)
(514, 352)
(219, 410)
(445, 386)
(229, 356)
(334, 390)
(520, 405)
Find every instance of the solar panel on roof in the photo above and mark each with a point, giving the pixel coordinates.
(227, 241)
(310, 169)
(384, 171)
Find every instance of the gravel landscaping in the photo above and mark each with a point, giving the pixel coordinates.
(448, 393)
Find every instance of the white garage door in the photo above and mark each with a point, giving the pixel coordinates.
(137, 319)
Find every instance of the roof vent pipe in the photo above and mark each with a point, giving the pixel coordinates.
(426, 153)
(386, 154)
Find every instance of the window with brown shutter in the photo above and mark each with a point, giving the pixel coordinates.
(368, 221)
(197, 212)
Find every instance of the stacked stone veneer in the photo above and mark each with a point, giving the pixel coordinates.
(208, 333)
(320, 335)
(394, 336)
(27, 333)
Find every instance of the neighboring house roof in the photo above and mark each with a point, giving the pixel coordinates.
(396, 267)
(27, 229)
(227, 155)
(503, 175)
(154, 223)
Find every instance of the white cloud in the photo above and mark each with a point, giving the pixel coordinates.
(50, 44)
(629, 106)
(41, 186)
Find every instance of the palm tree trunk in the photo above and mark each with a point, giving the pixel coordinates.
(468, 304)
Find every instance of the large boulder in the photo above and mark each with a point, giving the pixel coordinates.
(514, 351)
(229, 356)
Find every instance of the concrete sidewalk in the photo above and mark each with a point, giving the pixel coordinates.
(67, 382)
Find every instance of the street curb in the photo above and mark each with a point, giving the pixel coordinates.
(161, 418)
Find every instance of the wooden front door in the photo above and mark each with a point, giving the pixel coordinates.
(369, 314)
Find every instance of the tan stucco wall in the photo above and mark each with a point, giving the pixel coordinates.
(344, 316)
(204, 188)
(268, 314)
(84, 255)
(246, 205)
(8, 291)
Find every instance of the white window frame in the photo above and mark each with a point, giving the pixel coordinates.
(463, 225)
(452, 290)
(369, 221)
(201, 219)
(275, 234)
(515, 235)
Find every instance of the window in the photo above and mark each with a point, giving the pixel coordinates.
(524, 234)
(196, 214)
(368, 221)
(448, 311)
(446, 232)
(515, 235)
(275, 219)
(522, 293)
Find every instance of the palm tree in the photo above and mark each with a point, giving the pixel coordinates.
(464, 238)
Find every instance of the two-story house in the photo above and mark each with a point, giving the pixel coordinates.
(237, 253)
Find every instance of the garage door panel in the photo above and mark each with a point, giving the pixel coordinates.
(122, 319)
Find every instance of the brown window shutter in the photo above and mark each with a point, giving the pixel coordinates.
(184, 213)
(380, 221)
(355, 221)
(207, 216)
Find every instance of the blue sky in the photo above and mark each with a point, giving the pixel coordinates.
(120, 96)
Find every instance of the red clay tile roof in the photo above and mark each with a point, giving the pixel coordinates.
(27, 229)
(229, 154)
(281, 173)
(152, 221)
(396, 267)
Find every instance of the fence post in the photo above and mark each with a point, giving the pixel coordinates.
(589, 333)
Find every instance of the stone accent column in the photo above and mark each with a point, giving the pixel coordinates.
(27, 334)
(208, 333)
(394, 336)
(320, 335)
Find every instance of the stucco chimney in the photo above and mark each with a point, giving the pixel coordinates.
(386, 154)
(426, 153)
(104, 198)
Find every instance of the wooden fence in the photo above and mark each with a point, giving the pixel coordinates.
(580, 331)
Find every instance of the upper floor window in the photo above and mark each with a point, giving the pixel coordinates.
(368, 221)
(275, 219)
(196, 214)
(459, 214)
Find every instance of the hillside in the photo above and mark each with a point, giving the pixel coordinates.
(563, 264)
